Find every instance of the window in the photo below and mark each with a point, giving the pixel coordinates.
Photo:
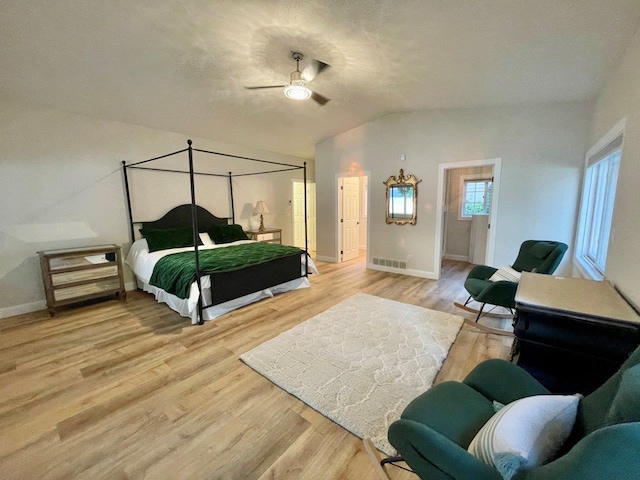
(596, 211)
(476, 197)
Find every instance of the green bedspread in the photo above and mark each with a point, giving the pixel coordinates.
(176, 272)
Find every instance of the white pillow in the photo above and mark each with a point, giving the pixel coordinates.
(505, 273)
(525, 433)
(206, 239)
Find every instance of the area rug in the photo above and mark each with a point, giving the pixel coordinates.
(360, 362)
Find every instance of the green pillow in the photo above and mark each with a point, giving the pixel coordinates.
(227, 233)
(169, 238)
(626, 404)
(542, 250)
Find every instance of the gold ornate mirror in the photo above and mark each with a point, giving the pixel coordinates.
(402, 197)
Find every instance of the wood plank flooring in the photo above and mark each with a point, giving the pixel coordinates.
(130, 390)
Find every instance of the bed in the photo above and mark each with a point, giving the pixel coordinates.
(236, 285)
(200, 280)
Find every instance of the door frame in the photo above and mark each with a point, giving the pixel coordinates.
(496, 163)
(338, 198)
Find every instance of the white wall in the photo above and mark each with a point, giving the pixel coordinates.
(621, 98)
(61, 185)
(542, 151)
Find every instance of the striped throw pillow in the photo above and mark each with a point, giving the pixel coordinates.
(507, 274)
(525, 433)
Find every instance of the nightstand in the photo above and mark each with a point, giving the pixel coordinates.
(77, 274)
(268, 235)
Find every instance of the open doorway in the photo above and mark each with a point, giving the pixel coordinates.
(352, 216)
(298, 215)
(467, 211)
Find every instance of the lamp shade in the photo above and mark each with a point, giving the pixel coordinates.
(261, 208)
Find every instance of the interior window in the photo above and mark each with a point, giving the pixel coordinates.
(476, 197)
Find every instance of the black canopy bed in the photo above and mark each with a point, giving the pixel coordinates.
(202, 265)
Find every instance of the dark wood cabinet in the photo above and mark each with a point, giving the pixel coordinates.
(78, 274)
(572, 334)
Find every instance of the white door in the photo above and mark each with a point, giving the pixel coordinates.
(298, 214)
(478, 239)
(350, 214)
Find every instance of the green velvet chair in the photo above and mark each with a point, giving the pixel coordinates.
(437, 427)
(538, 256)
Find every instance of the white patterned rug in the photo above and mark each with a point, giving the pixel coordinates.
(360, 362)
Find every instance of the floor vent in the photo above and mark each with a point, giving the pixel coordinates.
(383, 262)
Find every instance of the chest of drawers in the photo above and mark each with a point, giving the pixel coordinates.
(79, 274)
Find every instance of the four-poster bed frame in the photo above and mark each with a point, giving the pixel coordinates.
(199, 218)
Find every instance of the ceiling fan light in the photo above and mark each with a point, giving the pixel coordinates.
(297, 92)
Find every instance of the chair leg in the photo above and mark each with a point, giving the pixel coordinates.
(480, 312)
(391, 460)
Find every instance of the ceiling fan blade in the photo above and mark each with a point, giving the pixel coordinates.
(319, 98)
(270, 86)
(314, 69)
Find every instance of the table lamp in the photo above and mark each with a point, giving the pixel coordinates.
(261, 208)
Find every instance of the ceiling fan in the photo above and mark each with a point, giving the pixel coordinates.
(297, 89)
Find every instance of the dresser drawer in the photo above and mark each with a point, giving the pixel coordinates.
(87, 289)
(58, 279)
(74, 260)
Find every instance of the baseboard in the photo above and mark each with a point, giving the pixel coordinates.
(326, 259)
(40, 305)
(458, 258)
(402, 271)
(24, 308)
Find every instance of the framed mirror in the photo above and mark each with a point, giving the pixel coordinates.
(402, 197)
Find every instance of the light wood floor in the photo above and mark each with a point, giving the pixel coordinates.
(128, 390)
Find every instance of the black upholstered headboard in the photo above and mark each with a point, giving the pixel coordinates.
(180, 217)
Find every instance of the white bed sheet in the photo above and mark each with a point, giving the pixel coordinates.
(142, 263)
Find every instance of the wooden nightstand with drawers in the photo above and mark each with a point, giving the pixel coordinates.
(78, 274)
(268, 235)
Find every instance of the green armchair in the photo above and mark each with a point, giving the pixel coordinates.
(437, 427)
(538, 256)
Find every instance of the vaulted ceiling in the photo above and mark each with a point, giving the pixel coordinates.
(181, 65)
